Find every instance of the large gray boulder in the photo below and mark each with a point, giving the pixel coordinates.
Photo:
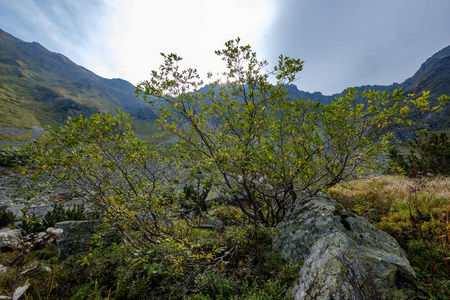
(345, 257)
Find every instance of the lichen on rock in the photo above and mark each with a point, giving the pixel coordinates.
(345, 257)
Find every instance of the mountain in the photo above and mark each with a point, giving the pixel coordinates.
(39, 87)
(433, 76)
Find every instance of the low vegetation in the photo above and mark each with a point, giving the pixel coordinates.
(415, 209)
(428, 155)
(14, 138)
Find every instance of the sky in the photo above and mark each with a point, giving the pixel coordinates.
(343, 43)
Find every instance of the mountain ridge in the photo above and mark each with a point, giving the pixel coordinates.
(39, 88)
(433, 75)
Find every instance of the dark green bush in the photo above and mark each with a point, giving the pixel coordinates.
(6, 218)
(429, 155)
(429, 257)
(432, 267)
(30, 223)
(118, 272)
(195, 197)
(34, 224)
(59, 214)
(214, 286)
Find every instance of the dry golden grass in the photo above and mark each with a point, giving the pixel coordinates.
(408, 209)
(391, 193)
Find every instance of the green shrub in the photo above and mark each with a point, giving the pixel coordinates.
(30, 223)
(6, 218)
(119, 272)
(272, 290)
(34, 224)
(429, 155)
(429, 257)
(48, 253)
(399, 226)
(214, 286)
(13, 156)
(229, 215)
(195, 198)
(59, 214)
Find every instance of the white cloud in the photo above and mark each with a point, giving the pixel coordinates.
(140, 30)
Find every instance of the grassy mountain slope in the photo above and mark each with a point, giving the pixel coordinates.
(39, 87)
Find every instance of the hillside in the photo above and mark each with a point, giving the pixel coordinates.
(39, 88)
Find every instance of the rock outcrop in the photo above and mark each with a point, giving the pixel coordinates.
(77, 236)
(345, 257)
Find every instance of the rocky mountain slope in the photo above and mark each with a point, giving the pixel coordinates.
(433, 76)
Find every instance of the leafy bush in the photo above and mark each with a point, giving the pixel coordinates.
(214, 286)
(126, 179)
(194, 198)
(273, 290)
(30, 223)
(429, 155)
(399, 226)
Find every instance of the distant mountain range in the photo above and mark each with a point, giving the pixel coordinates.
(433, 76)
(39, 87)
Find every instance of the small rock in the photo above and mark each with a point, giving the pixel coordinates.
(3, 269)
(7, 237)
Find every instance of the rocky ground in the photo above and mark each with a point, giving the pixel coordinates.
(36, 132)
(15, 195)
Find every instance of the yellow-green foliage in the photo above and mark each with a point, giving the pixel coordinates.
(249, 136)
(398, 225)
(229, 215)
